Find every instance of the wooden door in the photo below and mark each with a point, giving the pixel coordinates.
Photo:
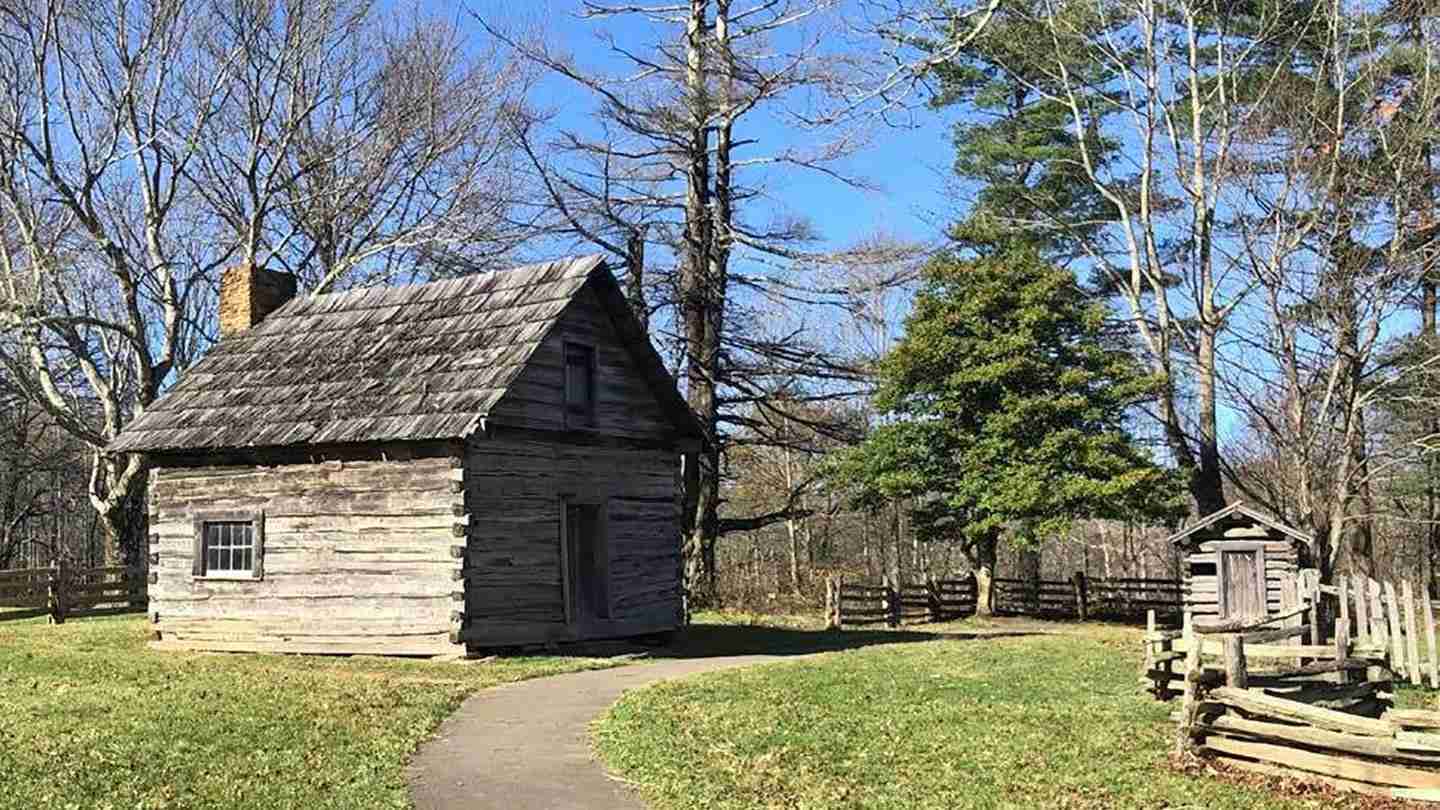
(1242, 583)
(587, 563)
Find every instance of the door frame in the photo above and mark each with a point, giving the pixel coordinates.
(1222, 574)
(570, 565)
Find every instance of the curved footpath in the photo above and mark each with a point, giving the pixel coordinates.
(526, 746)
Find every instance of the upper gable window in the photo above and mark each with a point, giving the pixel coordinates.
(579, 384)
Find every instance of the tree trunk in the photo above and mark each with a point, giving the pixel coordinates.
(1028, 569)
(982, 562)
(1206, 484)
(696, 305)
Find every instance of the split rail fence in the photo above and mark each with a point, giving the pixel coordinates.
(62, 591)
(1082, 597)
(857, 604)
(1278, 696)
(850, 603)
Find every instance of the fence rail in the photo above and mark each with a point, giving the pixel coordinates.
(1317, 707)
(857, 604)
(850, 603)
(1082, 597)
(63, 591)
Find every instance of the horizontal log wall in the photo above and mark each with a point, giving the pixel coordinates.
(357, 557)
(513, 578)
(1201, 590)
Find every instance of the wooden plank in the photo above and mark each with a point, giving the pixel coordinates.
(1290, 601)
(1342, 595)
(1361, 626)
(1312, 588)
(1413, 718)
(1256, 702)
(1279, 772)
(1418, 741)
(1379, 632)
(1412, 634)
(1236, 674)
(1234, 724)
(1429, 619)
(1326, 764)
(1189, 697)
(1213, 646)
(1392, 620)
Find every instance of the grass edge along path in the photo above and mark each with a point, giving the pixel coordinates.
(91, 718)
(1040, 721)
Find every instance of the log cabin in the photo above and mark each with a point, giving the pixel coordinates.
(1239, 563)
(430, 469)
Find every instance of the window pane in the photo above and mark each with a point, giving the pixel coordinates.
(579, 382)
(229, 547)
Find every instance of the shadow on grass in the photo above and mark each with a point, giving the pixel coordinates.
(720, 640)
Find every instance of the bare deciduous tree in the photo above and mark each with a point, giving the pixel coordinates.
(147, 145)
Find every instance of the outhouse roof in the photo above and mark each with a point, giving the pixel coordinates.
(1239, 510)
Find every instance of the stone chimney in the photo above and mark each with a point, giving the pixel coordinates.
(248, 294)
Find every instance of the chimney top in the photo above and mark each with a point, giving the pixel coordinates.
(249, 293)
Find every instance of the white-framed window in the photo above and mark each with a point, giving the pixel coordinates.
(229, 545)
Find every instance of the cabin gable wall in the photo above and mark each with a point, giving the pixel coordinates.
(515, 574)
(625, 404)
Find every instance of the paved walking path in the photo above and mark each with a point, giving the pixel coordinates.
(526, 746)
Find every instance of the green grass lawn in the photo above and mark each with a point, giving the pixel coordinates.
(1041, 721)
(91, 718)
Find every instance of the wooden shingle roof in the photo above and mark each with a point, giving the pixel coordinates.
(1238, 512)
(411, 363)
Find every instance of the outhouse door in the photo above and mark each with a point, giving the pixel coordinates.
(1241, 573)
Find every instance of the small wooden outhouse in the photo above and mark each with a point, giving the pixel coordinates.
(1238, 562)
(420, 470)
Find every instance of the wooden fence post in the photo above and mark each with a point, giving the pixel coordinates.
(1191, 685)
(1289, 600)
(1310, 592)
(1342, 648)
(55, 594)
(839, 601)
(1397, 640)
(1379, 635)
(1149, 634)
(1236, 672)
(1412, 633)
(1342, 595)
(1361, 627)
(1082, 608)
(1430, 637)
(830, 623)
(892, 601)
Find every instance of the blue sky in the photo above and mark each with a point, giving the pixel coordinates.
(907, 163)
